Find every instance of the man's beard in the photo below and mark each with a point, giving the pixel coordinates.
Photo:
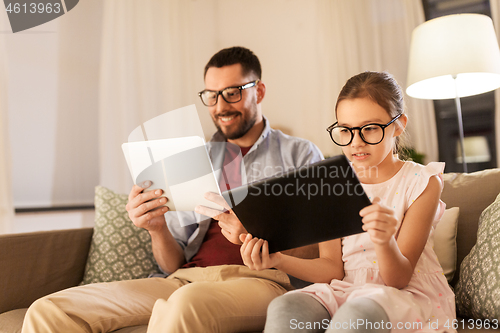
(243, 128)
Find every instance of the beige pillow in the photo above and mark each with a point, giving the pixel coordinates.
(445, 242)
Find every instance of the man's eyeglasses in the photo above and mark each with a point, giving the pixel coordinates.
(371, 134)
(230, 94)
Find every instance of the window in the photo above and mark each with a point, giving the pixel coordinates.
(478, 111)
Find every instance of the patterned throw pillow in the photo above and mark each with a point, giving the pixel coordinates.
(478, 289)
(119, 250)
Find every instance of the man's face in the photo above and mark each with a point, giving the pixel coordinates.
(233, 120)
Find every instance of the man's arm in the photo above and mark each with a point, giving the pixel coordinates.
(307, 153)
(146, 211)
(168, 253)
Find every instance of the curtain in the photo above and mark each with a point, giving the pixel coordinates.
(6, 206)
(495, 15)
(373, 35)
(146, 63)
(153, 54)
(52, 108)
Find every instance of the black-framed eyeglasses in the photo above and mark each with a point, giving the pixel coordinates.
(371, 134)
(230, 94)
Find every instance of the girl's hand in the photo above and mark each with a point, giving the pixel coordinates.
(379, 221)
(252, 255)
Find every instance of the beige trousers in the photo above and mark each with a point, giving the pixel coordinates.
(227, 298)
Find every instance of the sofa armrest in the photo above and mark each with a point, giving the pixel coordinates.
(39, 263)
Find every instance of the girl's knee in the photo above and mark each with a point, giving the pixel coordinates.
(290, 302)
(364, 308)
(368, 315)
(296, 311)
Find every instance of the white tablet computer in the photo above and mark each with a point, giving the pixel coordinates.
(181, 167)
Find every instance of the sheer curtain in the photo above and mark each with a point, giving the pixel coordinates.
(495, 14)
(373, 35)
(6, 206)
(154, 52)
(146, 63)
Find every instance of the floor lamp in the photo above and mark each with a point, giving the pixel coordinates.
(454, 56)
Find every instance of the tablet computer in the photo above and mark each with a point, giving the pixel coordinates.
(308, 205)
(181, 167)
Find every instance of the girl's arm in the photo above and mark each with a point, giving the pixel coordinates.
(398, 256)
(329, 266)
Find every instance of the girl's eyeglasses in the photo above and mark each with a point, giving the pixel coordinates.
(371, 134)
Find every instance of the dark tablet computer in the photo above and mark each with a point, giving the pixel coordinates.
(304, 206)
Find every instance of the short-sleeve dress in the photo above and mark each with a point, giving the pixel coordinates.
(427, 303)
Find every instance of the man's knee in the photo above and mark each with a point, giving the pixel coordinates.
(42, 307)
(189, 305)
(45, 315)
(38, 308)
(192, 298)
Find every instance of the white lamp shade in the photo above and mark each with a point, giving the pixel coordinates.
(462, 46)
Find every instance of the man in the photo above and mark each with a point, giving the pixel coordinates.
(208, 289)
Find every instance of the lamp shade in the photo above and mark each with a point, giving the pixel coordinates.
(459, 49)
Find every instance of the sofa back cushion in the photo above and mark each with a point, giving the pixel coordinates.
(472, 192)
(40, 263)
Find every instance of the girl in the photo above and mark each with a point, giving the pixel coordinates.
(387, 278)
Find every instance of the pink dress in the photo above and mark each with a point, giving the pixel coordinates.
(427, 304)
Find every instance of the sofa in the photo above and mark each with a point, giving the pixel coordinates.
(40, 263)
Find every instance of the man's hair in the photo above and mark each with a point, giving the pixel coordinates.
(236, 55)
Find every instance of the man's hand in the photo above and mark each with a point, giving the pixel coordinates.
(145, 209)
(228, 221)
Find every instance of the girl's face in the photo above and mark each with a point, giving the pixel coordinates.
(361, 111)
